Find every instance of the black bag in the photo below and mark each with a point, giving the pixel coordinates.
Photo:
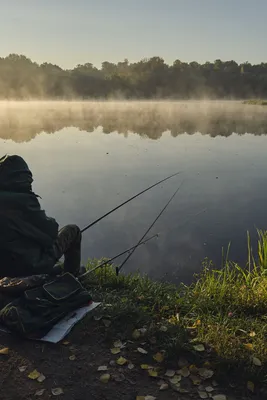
(39, 309)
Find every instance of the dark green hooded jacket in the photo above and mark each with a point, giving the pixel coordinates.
(27, 235)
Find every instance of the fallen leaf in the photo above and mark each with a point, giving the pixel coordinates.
(163, 328)
(195, 379)
(219, 397)
(118, 344)
(34, 374)
(143, 331)
(41, 378)
(66, 342)
(140, 398)
(205, 373)
(203, 395)
(39, 392)
(141, 350)
(106, 322)
(57, 391)
(4, 351)
(112, 363)
(248, 346)
(207, 364)
(121, 361)
(136, 334)
(164, 386)
(250, 386)
(130, 366)
(104, 378)
(193, 369)
(102, 368)
(115, 350)
(145, 366)
(23, 368)
(170, 373)
(252, 334)
(176, 387)
(98, 317)
(150, 398)
(209, 389)
(159, 357)
(72, 358)
(257, 361)
(199, 347)
(153, 373)
(185, 372)
(118, 377)
(176, 379)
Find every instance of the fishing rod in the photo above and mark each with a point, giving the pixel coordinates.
(117, 256)
(150, 227)
(127, 201)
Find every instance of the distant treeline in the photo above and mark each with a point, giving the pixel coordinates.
(149, 78)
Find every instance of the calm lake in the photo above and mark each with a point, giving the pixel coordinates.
(88, 157)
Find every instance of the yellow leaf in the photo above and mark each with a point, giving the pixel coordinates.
(34, 374)
(65, 342)
(4, 351)
(248, 346)
(145, 366)
(104, 378)
(140, 398)
(198, 322)
(257, 361)
(250, 386)
(252, 334)
(115, 350)
(159, 357)
(121, 361)
(153, 373)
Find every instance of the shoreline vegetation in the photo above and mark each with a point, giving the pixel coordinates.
(219, 320)
(256, 102)
(149, 78)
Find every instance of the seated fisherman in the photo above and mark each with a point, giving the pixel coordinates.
(30, 242)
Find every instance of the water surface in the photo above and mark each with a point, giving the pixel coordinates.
(88, 157)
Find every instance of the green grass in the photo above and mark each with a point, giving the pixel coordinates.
(256, 102)
(225, 309)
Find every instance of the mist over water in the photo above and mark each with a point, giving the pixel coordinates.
(87, 157)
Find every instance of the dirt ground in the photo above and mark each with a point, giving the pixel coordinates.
(78, 377)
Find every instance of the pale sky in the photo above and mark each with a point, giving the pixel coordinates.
(71, 32)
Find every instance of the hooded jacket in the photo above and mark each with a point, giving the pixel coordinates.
(27, 235)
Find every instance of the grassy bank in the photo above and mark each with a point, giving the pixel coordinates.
(220, 318)
(256, 102)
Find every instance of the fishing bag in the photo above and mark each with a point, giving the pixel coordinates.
(37, 310)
